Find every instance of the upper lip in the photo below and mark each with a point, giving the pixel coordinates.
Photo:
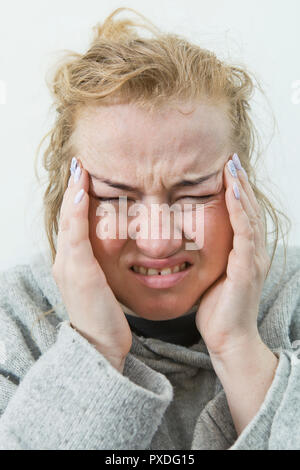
(162, 263)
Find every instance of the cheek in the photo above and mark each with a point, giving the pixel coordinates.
(217, 224)
(218, 238)
(107, 249)
(213, 221)
(213, 257)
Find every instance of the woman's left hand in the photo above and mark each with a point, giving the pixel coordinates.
(227, 315)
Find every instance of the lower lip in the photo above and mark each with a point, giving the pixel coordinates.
(157, 281)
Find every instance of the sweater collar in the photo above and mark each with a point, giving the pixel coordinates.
(181, 330)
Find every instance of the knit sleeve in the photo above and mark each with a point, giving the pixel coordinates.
(71, 397)
(277, 424)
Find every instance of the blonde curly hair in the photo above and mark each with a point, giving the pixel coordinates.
(123, 66)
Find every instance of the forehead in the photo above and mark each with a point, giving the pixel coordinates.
(123, 138)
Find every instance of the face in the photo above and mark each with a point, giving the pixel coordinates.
(130, 152)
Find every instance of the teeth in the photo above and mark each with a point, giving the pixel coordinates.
(166, 271)
(151, 272)
(163, 272)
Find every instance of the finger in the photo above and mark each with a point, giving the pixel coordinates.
(243, 240)
(259, 221)
(255, 221)
(258, 218)
(78, 240)
(248, 208)
(75, 179)
(73, 165)
(67, 206)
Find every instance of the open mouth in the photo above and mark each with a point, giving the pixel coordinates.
(162, 272)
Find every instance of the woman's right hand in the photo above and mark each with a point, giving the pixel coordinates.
(90, 303)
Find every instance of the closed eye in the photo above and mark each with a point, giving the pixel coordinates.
(197, 197)
(110, 199)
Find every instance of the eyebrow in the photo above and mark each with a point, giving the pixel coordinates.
(182, 183)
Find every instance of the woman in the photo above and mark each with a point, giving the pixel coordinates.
(150, 344)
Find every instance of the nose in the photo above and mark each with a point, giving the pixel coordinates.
(161, 238)
(158, 248)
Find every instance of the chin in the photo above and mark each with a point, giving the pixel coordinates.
(157, 311)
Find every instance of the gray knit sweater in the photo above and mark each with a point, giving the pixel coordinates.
(58, 392)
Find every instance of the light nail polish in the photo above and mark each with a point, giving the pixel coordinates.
(77, 174)
(73, 165)
(236, 191)
(79, 196)
(232, 169)
(237, 161)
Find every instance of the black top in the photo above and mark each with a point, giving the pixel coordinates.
(181, 330)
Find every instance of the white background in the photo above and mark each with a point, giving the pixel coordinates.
(262, 34)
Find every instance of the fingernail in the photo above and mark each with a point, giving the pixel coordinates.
(237, 162)
(244, 172)
(77, 174)
(79, 196)
(236, 191)
(232, 169)
(73, 165)
(69, 182)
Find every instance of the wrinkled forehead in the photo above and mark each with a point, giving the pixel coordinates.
(124, 139)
